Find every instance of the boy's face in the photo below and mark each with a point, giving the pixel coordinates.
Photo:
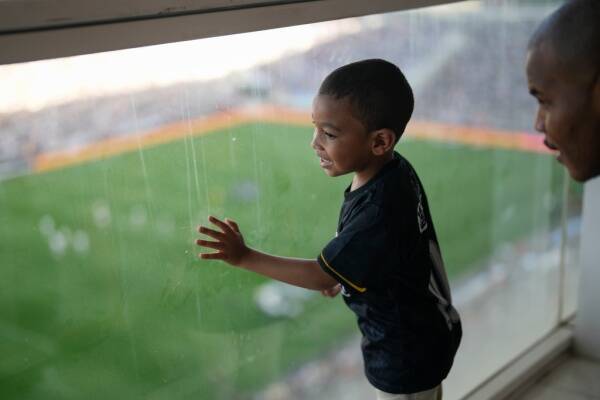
(340, 140)
(568, 112)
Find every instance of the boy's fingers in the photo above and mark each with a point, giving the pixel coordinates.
(210, 244)
(212, 256)
(226, 228)
(233, 225)
(211, 232)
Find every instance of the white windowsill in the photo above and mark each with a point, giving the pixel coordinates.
(523, 371)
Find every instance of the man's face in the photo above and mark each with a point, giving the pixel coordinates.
(340, 140)
(568, 112)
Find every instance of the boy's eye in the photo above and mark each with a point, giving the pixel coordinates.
(322, 132)
(327, 134)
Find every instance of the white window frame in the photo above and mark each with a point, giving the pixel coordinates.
(34, 30)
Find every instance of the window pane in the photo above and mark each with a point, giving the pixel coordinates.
(573, 208)
(109, 162)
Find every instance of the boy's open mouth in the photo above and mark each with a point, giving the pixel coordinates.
(325, 163)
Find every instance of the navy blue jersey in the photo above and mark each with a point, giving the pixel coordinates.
(387, 258)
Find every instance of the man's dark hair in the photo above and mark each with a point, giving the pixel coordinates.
(573, 32)
(378, 93)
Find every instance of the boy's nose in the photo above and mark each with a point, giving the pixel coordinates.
(314, 143)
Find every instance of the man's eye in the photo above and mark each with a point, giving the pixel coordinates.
(329, 135)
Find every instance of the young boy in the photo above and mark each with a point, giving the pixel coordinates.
(385, 257)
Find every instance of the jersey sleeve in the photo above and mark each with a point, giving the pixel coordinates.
(355, 256)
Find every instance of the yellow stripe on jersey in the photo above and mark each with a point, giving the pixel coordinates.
(361, 290)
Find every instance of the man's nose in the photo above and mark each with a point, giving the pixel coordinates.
(540, 121)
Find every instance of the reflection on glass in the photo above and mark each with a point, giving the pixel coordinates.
(104, 181)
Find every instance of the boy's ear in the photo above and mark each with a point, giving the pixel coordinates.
(383, 140)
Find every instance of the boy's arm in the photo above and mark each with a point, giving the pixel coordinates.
(230, 246)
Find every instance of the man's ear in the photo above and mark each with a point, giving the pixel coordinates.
(383, 140)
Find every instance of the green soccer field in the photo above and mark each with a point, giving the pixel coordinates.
(102, 296)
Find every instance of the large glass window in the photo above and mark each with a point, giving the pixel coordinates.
(108, 162)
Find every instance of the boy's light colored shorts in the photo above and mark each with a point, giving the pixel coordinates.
(431, 394)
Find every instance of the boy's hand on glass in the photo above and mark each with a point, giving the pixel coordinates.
(332, 291)
(228, 241)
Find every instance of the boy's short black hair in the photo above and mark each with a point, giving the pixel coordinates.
(378, 92)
